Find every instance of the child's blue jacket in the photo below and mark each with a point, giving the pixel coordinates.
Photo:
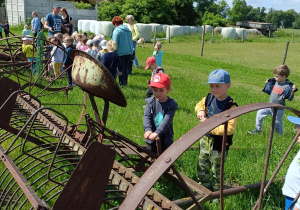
(286, 93)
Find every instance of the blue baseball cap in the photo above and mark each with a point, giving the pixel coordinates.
(56, 6)
(295, 120)
(219, 76)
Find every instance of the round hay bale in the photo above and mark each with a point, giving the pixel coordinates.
(98, 28)
(145, 31)
(228, 33)
(200, 29)
(193, 30)
(86, 25)
(93, 26)
(208, 29)
(126, 24)
(239, 33)
(107, 27)
(175, 30)
(164, 27)
(79, 25)
(157, 26)
(186, 29)
(218, 30)
(253, 31)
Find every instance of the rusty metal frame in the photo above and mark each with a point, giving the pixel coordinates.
(164, 161)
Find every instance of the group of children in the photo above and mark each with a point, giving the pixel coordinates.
(160, 110)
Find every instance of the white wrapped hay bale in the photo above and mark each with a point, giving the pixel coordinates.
(93, 26)
(164, 27)
(208, 29)
(228, 33)
(107, 28)
(240, 32)
(175, 30)
(193, 30)
(86, 25)
(79, 25)
(218, 30)
(157, 26)
(98, 27)
(145, 31)
(200, 29)
(126, 24)
(253, 32)
(186, 29)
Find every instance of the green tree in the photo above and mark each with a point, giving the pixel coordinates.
(150, 11)
(238, 11)
(288, 18)
(107, 10)
(220, 7)
(185, 12)
(214, 20)
(274, 17)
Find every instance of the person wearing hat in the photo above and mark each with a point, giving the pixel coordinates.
(151, 63)
(29, 51)
(54, 22)
(89, 49)
(103, 51)
(210, 146)
(291, 186)
(159, 113)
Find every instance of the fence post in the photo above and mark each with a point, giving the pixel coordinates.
(285, 52)
(202, 43)
(212, 35)
(154, 39)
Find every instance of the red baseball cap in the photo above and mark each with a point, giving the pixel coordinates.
(150, 61)
(160, 80)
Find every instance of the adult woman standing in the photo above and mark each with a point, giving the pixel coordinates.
(135, 36)
(122, 36)
(67, 20)
(36, 24)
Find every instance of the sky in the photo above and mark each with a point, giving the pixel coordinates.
(283, 5)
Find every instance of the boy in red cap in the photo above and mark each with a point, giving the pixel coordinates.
(159, 113)
(151, 62)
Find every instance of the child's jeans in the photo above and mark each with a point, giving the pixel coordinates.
(33, 67)
(262, 113)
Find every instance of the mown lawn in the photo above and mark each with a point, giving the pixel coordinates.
(249, 65)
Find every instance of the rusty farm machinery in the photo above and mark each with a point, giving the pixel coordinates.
(49, 163)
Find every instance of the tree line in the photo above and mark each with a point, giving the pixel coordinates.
(196, 12)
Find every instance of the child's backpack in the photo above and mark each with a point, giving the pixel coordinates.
(209, 99)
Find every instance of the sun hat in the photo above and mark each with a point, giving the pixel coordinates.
(150, 61)
(89, 42)
(103, 44)
(56, 6)
(219, 76)
(160, 80)
(295, 120)
(27, 37)
(96, 41)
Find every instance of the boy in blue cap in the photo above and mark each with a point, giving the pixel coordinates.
(210, 146)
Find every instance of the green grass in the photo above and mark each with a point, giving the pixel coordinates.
(249, 65)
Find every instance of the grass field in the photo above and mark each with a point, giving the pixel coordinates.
(249, 64)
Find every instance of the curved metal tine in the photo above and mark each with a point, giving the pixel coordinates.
(20, 91)
(33, 116)
(259, 202)
(280, 164)
(224, 141)
(58, 145)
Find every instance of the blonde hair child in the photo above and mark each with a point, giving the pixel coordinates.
(111, 59)
(158, 53)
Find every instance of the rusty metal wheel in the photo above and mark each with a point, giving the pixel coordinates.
(166, 160)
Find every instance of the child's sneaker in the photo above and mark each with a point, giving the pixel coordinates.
(254, 131)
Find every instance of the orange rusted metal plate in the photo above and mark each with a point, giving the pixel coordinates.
(92, 76)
